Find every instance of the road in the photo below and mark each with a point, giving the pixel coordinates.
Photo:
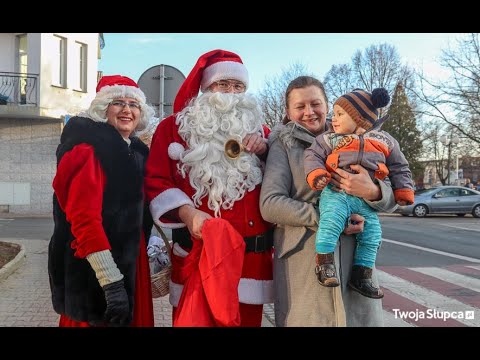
(26, 228)
(429, 268)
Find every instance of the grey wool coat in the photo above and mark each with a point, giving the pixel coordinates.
(287, 201)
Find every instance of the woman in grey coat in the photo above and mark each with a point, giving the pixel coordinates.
(287, 200)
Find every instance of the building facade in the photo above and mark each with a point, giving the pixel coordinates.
(44, 79)
(468, 168)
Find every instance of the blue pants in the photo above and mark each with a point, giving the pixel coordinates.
(335, 210)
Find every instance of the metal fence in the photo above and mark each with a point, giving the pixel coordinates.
(18, 88)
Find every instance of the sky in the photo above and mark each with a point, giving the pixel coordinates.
(265, 55)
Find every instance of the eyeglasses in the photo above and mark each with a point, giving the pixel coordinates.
(122, 104)
(224, 85)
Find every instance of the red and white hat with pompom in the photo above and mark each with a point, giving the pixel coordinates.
(118, 86)
(210, 67)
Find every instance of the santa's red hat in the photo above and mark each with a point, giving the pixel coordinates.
(210, 67)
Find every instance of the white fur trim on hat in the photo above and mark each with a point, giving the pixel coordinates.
(175, 150)
(121, 91)
(224, 70)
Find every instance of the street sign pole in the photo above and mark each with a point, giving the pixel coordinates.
(160, 84)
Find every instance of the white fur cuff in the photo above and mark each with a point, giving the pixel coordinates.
(250, 291)
(168, 200)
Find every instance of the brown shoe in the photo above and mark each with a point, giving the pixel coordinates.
(326, 270)
(361, 281)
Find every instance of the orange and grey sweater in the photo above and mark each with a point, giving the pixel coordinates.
(376, 150)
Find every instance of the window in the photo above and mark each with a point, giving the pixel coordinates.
(59, 61)
(466, 192)
(80, 66)
(448, 193)
(22, 69)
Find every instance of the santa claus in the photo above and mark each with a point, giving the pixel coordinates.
(190, 180)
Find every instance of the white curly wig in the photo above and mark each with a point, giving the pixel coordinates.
(98, 108)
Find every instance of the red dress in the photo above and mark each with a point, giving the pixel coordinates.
(79, 184)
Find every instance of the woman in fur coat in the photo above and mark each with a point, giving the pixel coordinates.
(97, 259)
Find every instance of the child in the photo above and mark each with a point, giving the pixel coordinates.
(356, 138)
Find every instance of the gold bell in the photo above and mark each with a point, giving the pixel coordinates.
(233, 148)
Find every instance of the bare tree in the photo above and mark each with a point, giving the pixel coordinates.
(440, 156)
(376, 66)
(339, 80)
(438, 153)
(272, 95)
(456, 101)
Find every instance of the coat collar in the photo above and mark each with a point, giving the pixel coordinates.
(293, 132)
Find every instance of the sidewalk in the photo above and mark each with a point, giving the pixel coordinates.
(25, 294)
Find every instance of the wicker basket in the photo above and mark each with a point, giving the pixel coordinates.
(160, 281)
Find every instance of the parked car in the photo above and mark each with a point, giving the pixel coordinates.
(443, 200)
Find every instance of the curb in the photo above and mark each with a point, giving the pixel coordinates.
(14, 264)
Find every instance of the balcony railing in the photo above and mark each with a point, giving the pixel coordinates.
(18, 88)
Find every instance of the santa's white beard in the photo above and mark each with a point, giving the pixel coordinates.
(205, 125)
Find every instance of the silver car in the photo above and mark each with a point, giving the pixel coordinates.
(444, 200)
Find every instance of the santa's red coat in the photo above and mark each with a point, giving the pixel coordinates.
(166, 189)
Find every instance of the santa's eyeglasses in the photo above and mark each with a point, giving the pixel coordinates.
(224, 85)
(122, 104)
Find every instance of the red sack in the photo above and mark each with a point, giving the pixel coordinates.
(213, 269)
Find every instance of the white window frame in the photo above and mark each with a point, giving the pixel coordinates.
(21, 68)
(59, 65)
(80, 66)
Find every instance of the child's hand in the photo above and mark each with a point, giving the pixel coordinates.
(355, 224)
(319, 182)
(401, 202)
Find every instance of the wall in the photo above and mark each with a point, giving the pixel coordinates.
(7, 48)
(27, 159)
(56, 102)
(29, 135)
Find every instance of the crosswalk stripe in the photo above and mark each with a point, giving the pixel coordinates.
(468, 270)
(439, 285)
(429, 299)
(451, 277)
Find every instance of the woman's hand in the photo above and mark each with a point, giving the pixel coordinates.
(355, 225)
(255, 144)
(194, 219)
(359, 184)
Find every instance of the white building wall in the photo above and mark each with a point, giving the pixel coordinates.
(28, 143)
(7, 48)
(27, 165)
(56, 101)
(33, 52)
